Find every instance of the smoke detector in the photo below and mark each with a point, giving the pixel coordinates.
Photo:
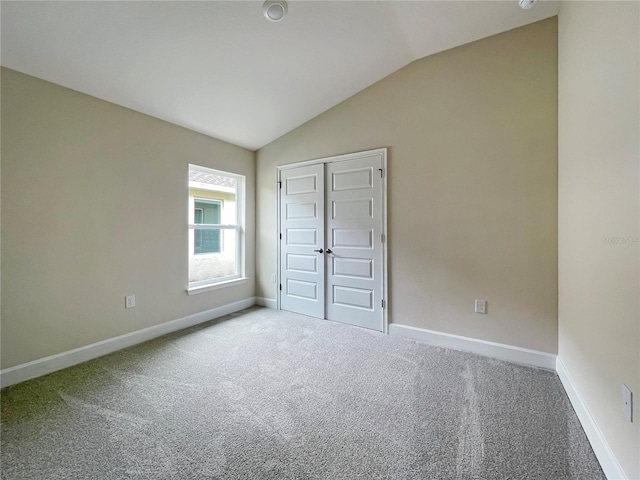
(526, 4)
(274, 10)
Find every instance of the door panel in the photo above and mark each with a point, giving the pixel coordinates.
(302, 270)
(354, 235)
(353, 267)
(302, 289)
(351, 179)
(302, 263)
(352, 238)
(348, 209)
(299, 211)
(302, 237)
(301, 184)
(353, 297)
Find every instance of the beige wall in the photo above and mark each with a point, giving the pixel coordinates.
(472, 137)
(94, 207)
(599, 269)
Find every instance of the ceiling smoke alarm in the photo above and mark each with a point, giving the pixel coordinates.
(526, 4)
(274, 10)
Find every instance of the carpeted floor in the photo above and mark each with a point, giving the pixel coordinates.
(273, 395)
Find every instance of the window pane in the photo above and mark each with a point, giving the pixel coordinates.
(222, 264)
(206, 241)
(198, 215)
(206, 211)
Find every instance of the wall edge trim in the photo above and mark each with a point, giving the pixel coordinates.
(59, 361)
(608, 461)
(267, 302)
(500, 351)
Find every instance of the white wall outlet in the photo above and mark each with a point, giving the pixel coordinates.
(627, 402)
(129, 301)
(481, 306)
(273, 278)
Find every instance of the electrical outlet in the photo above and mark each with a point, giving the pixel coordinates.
(481, 306)
(273, 278)
(129, 301)
(627, 402)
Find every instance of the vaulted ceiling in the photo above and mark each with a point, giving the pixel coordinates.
(222, 69)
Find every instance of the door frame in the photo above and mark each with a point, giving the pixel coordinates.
(333, 159)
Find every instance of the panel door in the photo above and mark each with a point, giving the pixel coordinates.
(302, 220)
(354, 242)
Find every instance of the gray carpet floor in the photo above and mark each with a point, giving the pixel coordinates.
(273, 395)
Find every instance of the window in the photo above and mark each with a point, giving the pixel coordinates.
(206, 212)
(216, 228)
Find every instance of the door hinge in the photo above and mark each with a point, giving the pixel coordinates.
(381, 173)
(279, 184)
(280, 236)
(382, 303)
(382, 238)
(280, 286)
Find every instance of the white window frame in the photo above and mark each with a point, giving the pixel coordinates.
(239, 227)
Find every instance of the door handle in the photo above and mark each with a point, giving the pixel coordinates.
(329, 251)
(319, 251)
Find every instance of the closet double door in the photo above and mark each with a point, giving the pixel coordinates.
(331, 240)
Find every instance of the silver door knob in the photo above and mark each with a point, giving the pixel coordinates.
(319, 251)
(329, 250)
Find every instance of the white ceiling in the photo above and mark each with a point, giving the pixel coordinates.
(222, 69)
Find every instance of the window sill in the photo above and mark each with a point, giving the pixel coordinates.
(215, 286)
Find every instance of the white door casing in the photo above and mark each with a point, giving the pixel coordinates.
(349, 278)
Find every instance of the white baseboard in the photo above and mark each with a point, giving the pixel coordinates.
(43, 366)
(481, 347)
(267, 302)
(601, 448)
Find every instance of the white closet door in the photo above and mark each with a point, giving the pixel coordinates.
(302, 262)
(354, 249)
